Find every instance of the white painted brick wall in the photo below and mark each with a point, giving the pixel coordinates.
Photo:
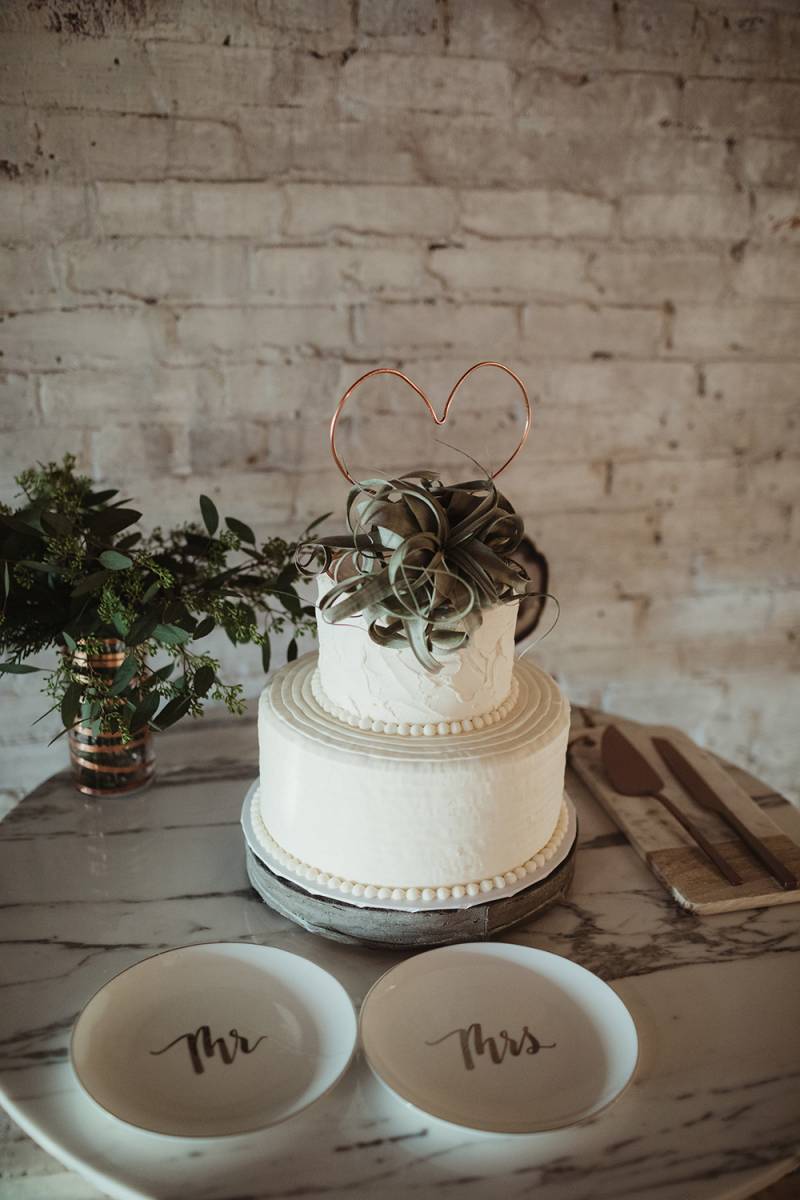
(214, 216)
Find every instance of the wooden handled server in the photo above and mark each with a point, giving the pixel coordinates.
(702, 793)
(631, 774)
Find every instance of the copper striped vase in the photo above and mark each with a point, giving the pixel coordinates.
(103, 764)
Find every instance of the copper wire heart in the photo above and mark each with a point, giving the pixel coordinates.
(438, 420)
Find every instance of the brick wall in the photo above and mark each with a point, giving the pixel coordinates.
(214, 216)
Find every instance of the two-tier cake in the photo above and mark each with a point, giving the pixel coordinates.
(412, 758)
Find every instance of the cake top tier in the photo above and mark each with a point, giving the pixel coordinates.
(422, 563)
(360, 677)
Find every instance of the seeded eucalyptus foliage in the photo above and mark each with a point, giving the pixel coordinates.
(73, 571)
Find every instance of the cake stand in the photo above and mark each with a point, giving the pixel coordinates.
(396, 928)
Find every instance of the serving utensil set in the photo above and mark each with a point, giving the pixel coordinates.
(631, 774)
(701, 828)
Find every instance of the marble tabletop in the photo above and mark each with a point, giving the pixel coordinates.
(88, 887)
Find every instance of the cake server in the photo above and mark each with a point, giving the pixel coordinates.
(631, 774)
(703, 794)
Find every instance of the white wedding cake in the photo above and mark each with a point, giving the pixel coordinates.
(412, 758)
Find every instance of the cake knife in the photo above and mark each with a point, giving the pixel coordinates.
(630, 774)
(703, 794)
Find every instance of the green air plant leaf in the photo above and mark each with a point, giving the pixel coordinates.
(13, 668)
(210, 515)
(317, 521)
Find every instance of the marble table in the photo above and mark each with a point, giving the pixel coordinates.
(88, 887)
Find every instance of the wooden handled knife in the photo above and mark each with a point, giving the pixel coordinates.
(702, 792)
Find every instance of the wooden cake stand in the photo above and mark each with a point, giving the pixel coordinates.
(393, 929)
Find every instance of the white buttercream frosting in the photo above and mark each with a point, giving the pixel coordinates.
(411, 812)
(415, 729)
(412, 895)
(376, 683)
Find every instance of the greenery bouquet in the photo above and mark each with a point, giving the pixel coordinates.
(76, 574)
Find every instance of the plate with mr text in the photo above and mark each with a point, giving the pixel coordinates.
(214, 1039)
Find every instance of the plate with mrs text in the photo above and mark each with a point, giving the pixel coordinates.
(499, 1037)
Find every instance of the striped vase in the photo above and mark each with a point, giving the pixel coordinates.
(103, 764)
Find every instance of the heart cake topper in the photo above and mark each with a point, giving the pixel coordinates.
(439, 420)
(421, 560)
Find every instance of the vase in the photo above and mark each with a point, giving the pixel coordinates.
(103, 764)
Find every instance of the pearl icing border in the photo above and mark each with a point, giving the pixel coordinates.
(372, 891)
(416, 729)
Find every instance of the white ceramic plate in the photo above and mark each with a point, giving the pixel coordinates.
(499, 1037)
(215, 1039)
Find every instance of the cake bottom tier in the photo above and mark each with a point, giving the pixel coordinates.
(401, 812)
